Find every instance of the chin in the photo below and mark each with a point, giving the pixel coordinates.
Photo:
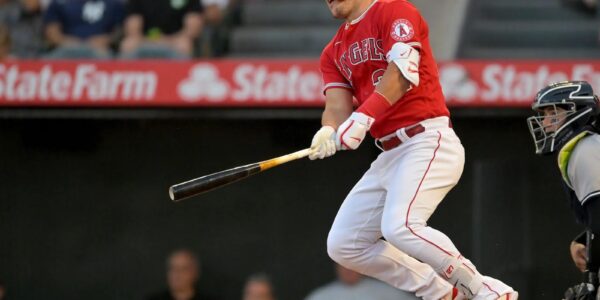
(337, 15)
(337, 9)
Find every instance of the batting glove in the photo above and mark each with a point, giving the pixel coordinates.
(353, 131)
(323, 143)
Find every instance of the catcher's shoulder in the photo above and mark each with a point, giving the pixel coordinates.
(589, 145)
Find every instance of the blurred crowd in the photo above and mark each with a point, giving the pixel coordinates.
(104, 29)
(183, 275)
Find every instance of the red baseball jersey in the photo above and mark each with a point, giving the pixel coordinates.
(355, 59)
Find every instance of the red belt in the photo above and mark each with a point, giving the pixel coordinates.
(395, 141)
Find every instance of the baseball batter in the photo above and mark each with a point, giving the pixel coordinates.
(567, 123)
(381, 56)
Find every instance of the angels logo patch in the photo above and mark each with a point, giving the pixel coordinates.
(402, 30)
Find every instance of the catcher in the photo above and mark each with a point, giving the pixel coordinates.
(567, 124)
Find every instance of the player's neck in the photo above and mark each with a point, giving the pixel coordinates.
(362, 6)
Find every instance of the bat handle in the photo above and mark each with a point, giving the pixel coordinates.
(302, 153)
(267, 164)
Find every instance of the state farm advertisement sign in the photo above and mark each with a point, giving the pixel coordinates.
(258, 83)
(509, 84)
(161, 83)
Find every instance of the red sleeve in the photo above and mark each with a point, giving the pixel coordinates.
(332, 77)
(402, 22)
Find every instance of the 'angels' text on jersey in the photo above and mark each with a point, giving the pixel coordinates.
(360, 52)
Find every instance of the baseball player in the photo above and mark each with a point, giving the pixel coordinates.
(567, 123)
(381, 56)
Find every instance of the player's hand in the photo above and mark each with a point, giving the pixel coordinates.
(353, 131)
(579, 256)
(323, 143)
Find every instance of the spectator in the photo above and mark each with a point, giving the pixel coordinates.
(83, 24)
(44, 4)
(23, 19)
(214, 11)
(5, 44)
(183, 272)
(2, 291)
(589, 6)
(354, 286)
(259, 287)
(170, 25)
(218, 19)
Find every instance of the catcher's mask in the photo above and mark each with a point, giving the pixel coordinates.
(563, 110)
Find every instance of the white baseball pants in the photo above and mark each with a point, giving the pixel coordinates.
(394, 199)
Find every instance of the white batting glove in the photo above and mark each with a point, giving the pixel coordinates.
(353, 131)
(323, 143)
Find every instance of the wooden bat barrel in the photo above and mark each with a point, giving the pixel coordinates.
(213, 181)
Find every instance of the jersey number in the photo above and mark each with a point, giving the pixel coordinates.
(377, 76)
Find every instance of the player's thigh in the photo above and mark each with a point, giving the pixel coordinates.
(422, 176)
(359, 217)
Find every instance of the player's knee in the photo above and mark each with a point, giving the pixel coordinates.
(337, 247)
(341, 248)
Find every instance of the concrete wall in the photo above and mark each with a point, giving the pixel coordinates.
(445, 18)
(84, 211)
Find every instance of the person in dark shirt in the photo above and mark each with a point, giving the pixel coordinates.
(2, 291)
(5, 45)
(183, 273)
(23, 19)
(87, 22)
(169, 23)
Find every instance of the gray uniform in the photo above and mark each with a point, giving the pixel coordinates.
(583, 169)
(366, 289)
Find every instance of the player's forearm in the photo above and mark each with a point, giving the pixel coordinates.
(335, 116)
(392, 85)
(338, 106)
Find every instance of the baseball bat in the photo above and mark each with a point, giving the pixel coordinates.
(200, 185)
